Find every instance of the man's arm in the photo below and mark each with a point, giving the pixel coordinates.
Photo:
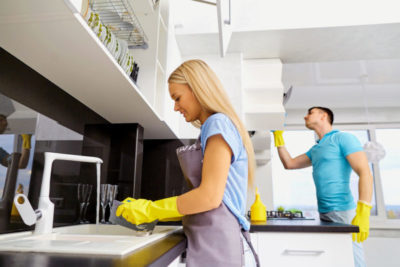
(359, 163)
(23, 160)
(288, 162)
(301, 161)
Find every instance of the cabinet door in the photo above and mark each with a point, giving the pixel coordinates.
(305, 249)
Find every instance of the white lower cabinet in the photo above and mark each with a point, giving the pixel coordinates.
(303, 249)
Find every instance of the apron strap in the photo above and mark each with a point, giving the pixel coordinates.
(246, 236)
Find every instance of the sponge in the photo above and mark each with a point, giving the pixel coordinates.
(143, 228)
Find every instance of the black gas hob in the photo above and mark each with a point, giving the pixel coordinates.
(285, 215)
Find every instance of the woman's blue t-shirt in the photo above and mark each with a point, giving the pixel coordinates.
(236, 186)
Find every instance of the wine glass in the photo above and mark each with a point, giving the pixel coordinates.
(87, 199)
(112, 193)
(82, 192)
(103, 201)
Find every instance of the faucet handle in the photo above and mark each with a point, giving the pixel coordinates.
(29, 216)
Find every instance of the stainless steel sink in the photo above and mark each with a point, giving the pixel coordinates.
(84, 239)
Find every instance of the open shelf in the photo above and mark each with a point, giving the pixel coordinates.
(57, 43)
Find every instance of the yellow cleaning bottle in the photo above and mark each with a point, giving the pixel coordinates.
(258, 212)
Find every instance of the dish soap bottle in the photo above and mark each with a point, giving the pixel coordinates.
(258, 212)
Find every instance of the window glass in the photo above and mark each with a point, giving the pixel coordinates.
(6, 143)
(24, 175)
(294, 188)
(389, 168)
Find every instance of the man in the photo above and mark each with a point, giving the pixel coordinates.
(5, 157)
(332, 159)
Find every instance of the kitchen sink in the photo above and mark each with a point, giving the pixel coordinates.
(95, 239)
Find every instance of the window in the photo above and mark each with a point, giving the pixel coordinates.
(295, 188)
(6, 143)
(389, 168)
(24, 175)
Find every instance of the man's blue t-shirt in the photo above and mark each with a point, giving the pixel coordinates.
(236, 186)
(331, 170)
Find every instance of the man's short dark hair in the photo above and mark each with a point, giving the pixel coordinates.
(326, 110)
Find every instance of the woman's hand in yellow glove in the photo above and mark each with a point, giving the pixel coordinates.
(144, 211)
(362, 221)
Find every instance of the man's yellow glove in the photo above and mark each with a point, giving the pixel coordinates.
(26, 141)
(138, 211)
(362, 221)
(278, 138)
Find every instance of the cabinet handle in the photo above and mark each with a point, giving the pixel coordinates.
(298, 252)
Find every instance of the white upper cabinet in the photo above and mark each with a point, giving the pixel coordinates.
(52, 37)
(262, 94)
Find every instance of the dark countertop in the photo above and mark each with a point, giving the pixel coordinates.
(295, 225)
(302, 226)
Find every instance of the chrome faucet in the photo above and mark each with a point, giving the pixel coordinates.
(43, 216)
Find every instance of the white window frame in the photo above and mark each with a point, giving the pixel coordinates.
(379, 221)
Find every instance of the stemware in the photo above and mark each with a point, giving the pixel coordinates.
(82, 192)
(112, 193)
(87, 201)
(103, 201)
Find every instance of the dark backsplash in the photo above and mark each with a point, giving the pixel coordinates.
(162, 176)
(142, 168)
(23, 84)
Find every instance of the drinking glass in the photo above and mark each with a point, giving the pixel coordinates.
(87, 199)
(112, 193)
(82, 192)
(103, 201)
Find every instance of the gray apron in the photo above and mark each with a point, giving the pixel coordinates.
(213, 236)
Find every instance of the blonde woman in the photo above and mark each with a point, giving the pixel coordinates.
(219, 167)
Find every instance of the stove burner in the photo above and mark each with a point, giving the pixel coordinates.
(273, 214)
(284, 214)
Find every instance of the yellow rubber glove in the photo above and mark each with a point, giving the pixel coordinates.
(362, 221)
(278, 138)
(26, 141)
(138, 211)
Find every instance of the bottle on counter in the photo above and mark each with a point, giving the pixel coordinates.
(258, 211)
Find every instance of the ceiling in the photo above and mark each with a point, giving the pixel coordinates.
(326, 65)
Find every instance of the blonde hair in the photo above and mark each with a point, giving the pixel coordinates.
(211, 95)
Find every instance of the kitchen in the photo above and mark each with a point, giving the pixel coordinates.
(316, 58)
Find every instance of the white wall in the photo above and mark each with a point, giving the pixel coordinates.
(228, 69)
